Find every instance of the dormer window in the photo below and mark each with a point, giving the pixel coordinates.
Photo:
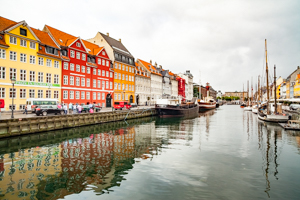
(64, 52)
(23, 31)
(78, 44)
(103, 53)
(51, 50)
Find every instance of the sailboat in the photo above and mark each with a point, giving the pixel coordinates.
(255, 107)
(248, 107)
(266, 115)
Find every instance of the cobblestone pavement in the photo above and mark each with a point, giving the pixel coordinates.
(19, 115)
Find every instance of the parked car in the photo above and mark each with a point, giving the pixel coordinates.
(45, 110)
(86, 109)
(119, 105)
(133, 105)
(294, 106)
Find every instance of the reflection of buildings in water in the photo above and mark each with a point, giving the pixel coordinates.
(21, 172)
(207, 114)
(269, 134)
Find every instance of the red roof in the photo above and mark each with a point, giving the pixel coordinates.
(2, 41)
(150, 67)
(62, 38)
(6, 23)
(44, 37)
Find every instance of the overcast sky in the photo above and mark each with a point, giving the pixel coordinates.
(221, 40)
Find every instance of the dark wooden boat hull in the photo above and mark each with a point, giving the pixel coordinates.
(178, 111)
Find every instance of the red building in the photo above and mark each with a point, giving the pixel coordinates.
(87, 75)
(181, 86)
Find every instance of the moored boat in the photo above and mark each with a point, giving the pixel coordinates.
(255, 109)
(174, 108)
(207, 104)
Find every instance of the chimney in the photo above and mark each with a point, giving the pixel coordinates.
(107, 34)
(155, 64)
(120, 40)
(151, 62)
(160, 66)
(298, 67)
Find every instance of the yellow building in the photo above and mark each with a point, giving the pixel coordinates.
(297, 87)
(123, 66)
(30, 57)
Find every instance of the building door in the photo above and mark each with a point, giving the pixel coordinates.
(108, 100)
(131, 99)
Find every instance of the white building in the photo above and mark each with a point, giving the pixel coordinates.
(142, 85)
(156, 80)
(174, 85)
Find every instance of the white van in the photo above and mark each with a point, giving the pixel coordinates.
(32, 103)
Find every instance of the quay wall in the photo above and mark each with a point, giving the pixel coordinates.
(22, 126)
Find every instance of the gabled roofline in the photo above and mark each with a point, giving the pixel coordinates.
(78, 38)
(51, 36)
(24, 23)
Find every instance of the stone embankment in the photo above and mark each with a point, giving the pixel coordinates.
(21, 126)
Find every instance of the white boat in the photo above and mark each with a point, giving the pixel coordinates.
(248, 108)
(264, 112)
(255, 109)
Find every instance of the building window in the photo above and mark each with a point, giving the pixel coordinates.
(65, 94)
(56, 94)
(126, 87)
(82, 95)
(31, 93)
(120, 76)
(12, 93)
(119, 86)
(99, 72)
(40, 77)
(111, 74)
(107, 73)
(132, 87)
(103, 96)
(2, 53)
(22, 75)
(103, 73)
(77, 55)
(32, 59)
(107, 86)
(94, 71)
(129, 87)
(98, 95)
(88, 70)
(56, 78)
(99, 83)
(48, 93)
(87, 95)
(83, 69)
(116, 75)
(41, 61)
(72, 67)
(78, 44)
(23, 31)
(116, 86)
(56, 64)
(71, 80)
(2, 92)
(23, 43)
(72, 54)
(123, 67)
(99, 61)
(119, 96)
(12, 107)
(77, 68)
(66, 65)
(126, 77)
(123, 77)
(116, 96)
(82, 81)
(83, 57)
(103, 85)
(110, 85)
(103, 62)
(87, 82)
(94, 83)
(48, 78)
(65, 80)
(13, 55)
(12, 40)
(32, 45)
(94, 95)
(77, 94)
(49, 63)
(107, 63)
(12, 73)
(40, 93)
(119, 66)
(77, 81)
(116, 66)
(2, 72)
(126, 68)
(23, 57)
(129, 69)
(71, 94)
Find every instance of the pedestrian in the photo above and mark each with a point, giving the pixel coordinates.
(90, 106)
(79, 108)
(70, 108)
(74, 109)
(25, 111)
(65, 109)
(59, 105)
(91, 110)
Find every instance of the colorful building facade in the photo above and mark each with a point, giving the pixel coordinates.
(31, 58)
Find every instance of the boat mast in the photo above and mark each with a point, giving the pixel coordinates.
(258, 89)
(267, 71)
(247, 93)
(275, 89)
(243, 94)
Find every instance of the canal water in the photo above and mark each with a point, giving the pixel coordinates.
(222, 154)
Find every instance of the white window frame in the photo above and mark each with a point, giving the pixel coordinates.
(87, 95)
(71, 80)
(2, 72)
(83, 82)
(49, 62)
(32, 45)
(56, 93)
(72, 67)
(72, 54)
(83, 69)
(83, 57)
(77, 68)
(88, 83)
(65, 94)
(32, 59)
(12, 40)
(2, 93)
(41, 61)
(22, 74)
(40, 77)
(23, 57)
(2, 54)
(72, 94)
(48, 77)
(78, 55)
(31, 93)
(23, 43)
(82, 95)
(56, 64)
(77, 81)
(77, 94)
(56, 79)
(66, 65)
(65, 80)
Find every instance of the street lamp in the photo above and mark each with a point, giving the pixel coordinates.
(13, 81)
